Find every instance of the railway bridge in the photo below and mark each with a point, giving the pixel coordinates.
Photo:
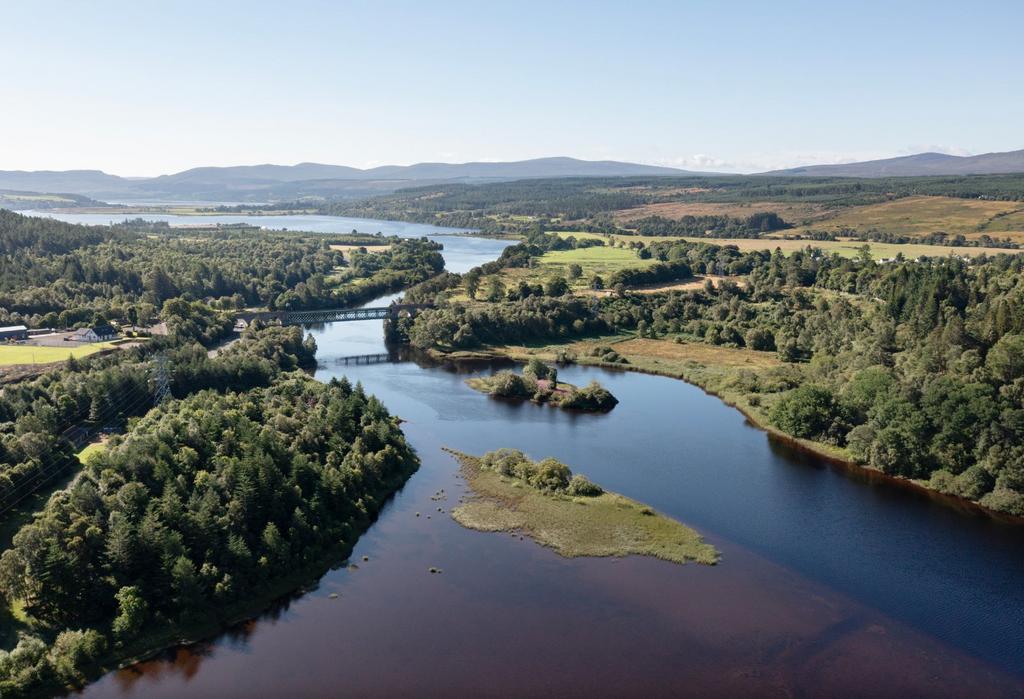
(335, 315)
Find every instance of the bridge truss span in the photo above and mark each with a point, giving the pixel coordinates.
(336, 315)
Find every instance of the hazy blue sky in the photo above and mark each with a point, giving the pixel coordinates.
(143, 88)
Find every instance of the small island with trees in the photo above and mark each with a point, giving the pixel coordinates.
(556, 508)
(539, 383)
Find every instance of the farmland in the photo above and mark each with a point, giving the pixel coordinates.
(794, 212)
(12, 355)
(920, 216)
(843, 248)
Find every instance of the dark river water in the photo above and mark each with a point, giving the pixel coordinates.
(829, 585)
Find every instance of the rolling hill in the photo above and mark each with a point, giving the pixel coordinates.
(289, 182)
(919, 165)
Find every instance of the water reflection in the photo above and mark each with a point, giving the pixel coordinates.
(830, 584)
(793, 609)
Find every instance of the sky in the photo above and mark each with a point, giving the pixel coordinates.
(145, 88)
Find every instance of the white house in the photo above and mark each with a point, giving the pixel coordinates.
(97, 333)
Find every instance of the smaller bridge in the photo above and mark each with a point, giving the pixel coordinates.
(378, 358)
(336, 315)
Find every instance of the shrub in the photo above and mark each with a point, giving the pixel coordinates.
(1005, 500)
(539, 371)
(593, 397)
(73, 650)
(508, 384)
(581, 486)
(805, 412)
(760, 339)
(607, 354)
(551, 475)
(507, 462)
(565, 357)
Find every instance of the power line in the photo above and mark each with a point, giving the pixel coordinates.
(50, 465)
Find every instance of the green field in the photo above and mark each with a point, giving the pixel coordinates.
(602, 261)
(843, 248)
(11, 355)
(91, 450)
(598, 260)
(24, 196)
(923, 215)
(913, 216)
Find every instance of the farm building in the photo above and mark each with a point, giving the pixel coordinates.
(97, 333)
(13, 332)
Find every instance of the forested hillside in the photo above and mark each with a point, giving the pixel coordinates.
(204, 504)
(911, 368)
(55, 274)
(245, 481)
(581, 198)
(41, 420)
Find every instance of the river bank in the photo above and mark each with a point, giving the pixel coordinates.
(926, 598)
(218, 619)
(712, 369)
(394, 628)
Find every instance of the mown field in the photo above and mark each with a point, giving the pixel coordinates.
(35, 197)
(844, 248)
(915, 216)
(11, 355)
(601, 261)
(919, 216)
(794, 212)
(597, 260)
(347, 249)
(91, 450)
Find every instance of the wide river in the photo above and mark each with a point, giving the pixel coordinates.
(829, 585)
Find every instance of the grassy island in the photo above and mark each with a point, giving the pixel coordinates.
(566, 512)
(539, 383)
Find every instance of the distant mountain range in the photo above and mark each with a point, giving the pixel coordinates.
(919, 165)
(290, 182)
(270, 183)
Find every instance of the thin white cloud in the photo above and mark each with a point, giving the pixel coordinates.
(781, 160)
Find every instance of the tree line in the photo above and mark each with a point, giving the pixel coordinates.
(42, 420)
(203, 504)
(501, 206)
(914, 368)
(55, 274)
